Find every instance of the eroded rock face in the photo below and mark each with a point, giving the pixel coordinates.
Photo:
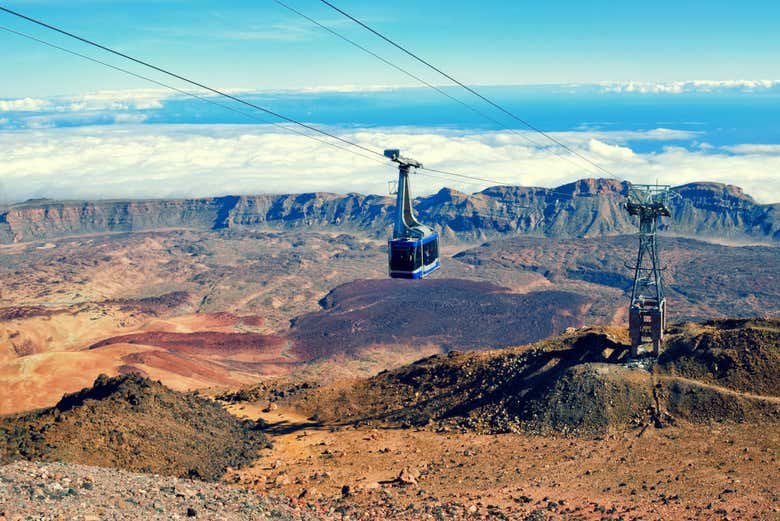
(585, 208)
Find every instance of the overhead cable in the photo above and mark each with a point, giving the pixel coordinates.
(417, 78)
(217, 92)
(469, 89)
(187, 80)
(187, 93)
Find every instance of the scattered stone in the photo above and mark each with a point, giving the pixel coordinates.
(408, 477)
(536, 515)
(184, 491)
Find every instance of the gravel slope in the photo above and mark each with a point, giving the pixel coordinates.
(49, 491)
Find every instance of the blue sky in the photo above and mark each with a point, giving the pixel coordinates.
(672, 91)
(259, 45)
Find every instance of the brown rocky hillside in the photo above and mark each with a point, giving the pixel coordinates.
(136, 424)
(577, 383)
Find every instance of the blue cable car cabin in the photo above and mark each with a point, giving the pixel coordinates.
(411, 258)
(413, 252)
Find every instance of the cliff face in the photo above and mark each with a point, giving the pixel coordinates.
(585, 208)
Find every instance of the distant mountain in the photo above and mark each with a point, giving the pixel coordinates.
(585, 208)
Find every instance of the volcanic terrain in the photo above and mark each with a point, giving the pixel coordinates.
(561, 429)
(198, 309)
(456, 396)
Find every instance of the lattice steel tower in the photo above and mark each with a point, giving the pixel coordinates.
(647, 313)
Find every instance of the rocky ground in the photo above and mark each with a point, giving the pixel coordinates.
(80, 493)
(56, 491)
(725, 471)
(579, 383)
(728, 472)
(165, 303)
(564, 429)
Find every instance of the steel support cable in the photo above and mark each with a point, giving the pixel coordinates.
(469, 89)
(398, 68)
(187, 80)
(444, 174)
(187, 93)
(215, 91)
(424, 82)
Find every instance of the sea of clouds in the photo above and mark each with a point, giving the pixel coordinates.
(141, 161)
(102, 145)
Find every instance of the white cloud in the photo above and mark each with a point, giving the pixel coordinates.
(350, 88)
(107, 100)
(123, 118)
(753, 149)
(23, 105)
(690, 86)
(604, 150)
(201, 160)
(135, 99)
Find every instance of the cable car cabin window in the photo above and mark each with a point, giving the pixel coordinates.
(405, 258)
(430, 252)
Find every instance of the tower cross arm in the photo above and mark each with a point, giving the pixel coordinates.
(394, 154)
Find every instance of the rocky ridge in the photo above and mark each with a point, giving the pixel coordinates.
(585, 208)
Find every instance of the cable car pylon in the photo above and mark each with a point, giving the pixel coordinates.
(413, 252)
(647, 312)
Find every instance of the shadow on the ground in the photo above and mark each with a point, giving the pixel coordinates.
(286, 427)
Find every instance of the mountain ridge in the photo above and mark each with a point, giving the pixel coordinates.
(584, 208)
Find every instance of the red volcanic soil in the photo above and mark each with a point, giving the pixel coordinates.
(450, 313)
(252, 321)
(183, 361)
(129, 369)
(201, 343)
(175, 363)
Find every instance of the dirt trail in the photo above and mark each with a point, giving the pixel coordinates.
(308, 456)
(10, 247)
(292, 432)
(724, 390)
